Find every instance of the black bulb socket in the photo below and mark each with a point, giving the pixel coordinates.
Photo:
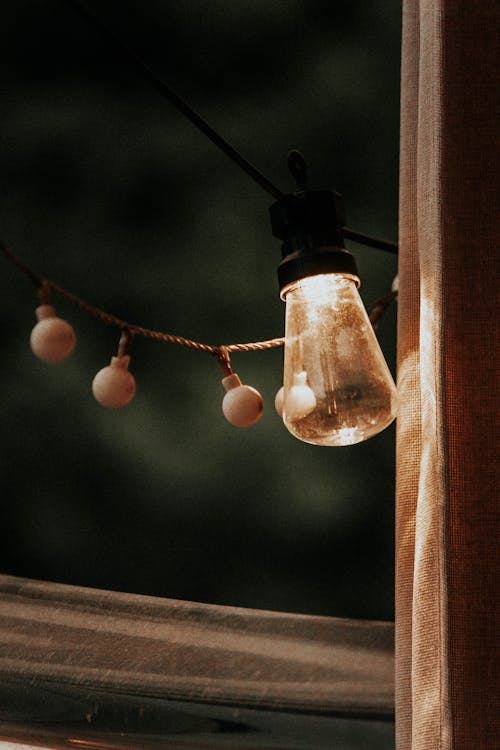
(309, 223)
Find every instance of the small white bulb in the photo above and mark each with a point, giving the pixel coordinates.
(278, 401)
(242, 405)
(52, 339)
(114, 386)
(395, 284)
(300, 400)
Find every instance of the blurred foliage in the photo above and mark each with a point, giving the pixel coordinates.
(110, 192)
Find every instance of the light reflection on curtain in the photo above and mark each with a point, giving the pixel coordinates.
(446, 525)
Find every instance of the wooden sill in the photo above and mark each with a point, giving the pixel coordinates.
(83, 668)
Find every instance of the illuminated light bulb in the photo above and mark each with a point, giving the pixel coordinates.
(337, 387)
(52, 339)
(242, 405)
(278, 402)
(114, 386)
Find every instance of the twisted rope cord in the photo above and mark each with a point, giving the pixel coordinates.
(221, 351)
(168, 338)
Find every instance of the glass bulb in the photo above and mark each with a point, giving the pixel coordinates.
(337, 387)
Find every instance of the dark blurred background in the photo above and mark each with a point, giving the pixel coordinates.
(107, 190)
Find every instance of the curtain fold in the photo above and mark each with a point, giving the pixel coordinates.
(446, 519)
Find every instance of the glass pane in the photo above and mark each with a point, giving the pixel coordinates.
(109, 191)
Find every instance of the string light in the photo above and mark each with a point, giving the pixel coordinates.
(114, 386)
(52, 339)
(337, 388)
(242, 405)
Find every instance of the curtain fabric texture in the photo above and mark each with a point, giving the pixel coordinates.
(447, 536)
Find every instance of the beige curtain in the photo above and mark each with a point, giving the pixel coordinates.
(447, 534)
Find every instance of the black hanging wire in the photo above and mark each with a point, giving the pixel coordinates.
(296, 161)
(374, 242)
(298, 168)
(169, 94)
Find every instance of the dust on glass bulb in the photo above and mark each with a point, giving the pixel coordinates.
(337, 387)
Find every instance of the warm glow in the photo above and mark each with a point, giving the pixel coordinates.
(337, 387)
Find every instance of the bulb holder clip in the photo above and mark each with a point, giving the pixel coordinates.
(309, 222)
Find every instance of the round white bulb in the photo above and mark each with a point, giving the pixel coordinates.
(114, 386)
(52, 339)
(242, 405)
(300, 400)
(278, 401)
